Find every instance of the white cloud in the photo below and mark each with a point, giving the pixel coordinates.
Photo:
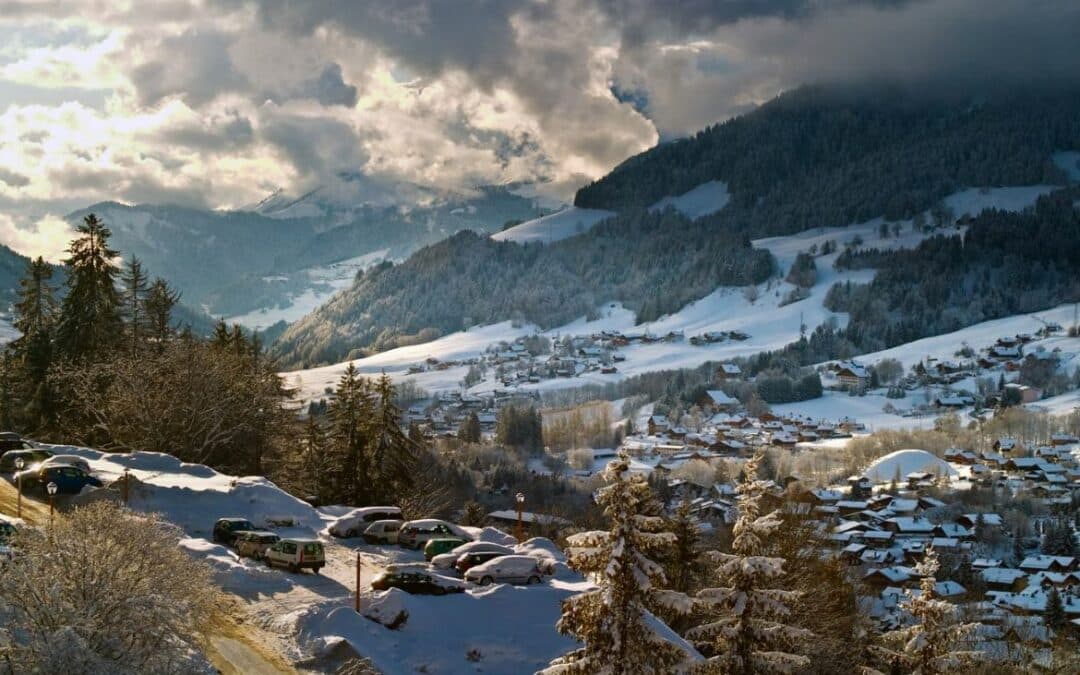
(48, 237)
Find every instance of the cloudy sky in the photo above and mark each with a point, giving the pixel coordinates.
(216, 103)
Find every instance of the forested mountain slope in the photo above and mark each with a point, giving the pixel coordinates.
(822, 156)
(651, 261)
(811, 158)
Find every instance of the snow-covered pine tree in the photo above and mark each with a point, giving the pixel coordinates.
(620, 634)
(746, 633)
(930, 645)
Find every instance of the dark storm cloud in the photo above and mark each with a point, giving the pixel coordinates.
(315, 147)
(223, 134)
(194, 65)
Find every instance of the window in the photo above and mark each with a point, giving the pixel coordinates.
(312, 549)
(289, 548)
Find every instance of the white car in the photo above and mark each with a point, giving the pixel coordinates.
(296, 554)
(448, 560)
(68, 460)
(353, 523)
(416, 533)
(509, 569)
(382, 532)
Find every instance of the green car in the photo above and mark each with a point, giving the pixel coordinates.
(436, 547)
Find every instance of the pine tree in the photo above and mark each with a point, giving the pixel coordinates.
(620, 635)
(314, 459)
(469, 431)
(158, 306)
(929, 646)
(32, 352)
(473, 515)
(746, 633)
(90, 321)
(135, 285)
(350, 414)
(1055, 610)
(393, 455)
(221, 337)
(684, 565)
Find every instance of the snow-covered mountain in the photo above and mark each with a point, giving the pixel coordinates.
(284, 255)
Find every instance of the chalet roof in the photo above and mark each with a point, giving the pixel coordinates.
(1002, 575)
(1044, 562)
(718, 397)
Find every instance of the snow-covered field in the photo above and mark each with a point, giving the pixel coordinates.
(325, 281)
(511, 628)
(701, 201)
(565, 223)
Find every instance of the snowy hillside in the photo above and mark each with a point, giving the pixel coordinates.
(701, 201)
(769, 322)
(565, 223)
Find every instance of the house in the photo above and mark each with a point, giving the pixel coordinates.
(1003, 353)
(1064, 439)
(890, 576)
(1024, 393)
(1007, 445)
(954, 401)
(728, 370)
(658, 424)
(1048, 563)
(720, 400)
(969, 520)
(852, 375)
(910, 526)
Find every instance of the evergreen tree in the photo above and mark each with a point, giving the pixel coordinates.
(32, 352)
(619, 633)
(746, 632)
(393, 455)
(90, 323)
(221, 337)
(135, 285)
(158, 306)
(469, 431)
(1055, 610)
(350, 413)
(314, 462)
(473, 514)
(930, 645)
(684, 566)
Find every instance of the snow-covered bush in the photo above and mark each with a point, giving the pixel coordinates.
(104, 590)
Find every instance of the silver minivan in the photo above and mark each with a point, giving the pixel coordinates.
(507, 569)
(382, 532)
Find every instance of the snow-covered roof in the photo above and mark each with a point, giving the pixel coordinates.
(903, 462)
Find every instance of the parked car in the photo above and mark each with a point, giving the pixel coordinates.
(68, 460)
(296, 554)
(449, 560)
(9, 440)
(508, 569)
(466, 562)
(355, 522)
(382, 532)
(30, 457)
(415, 580)
(69, 480)
(253, 544)
(226, 529)
(435, 547)
(416, 533)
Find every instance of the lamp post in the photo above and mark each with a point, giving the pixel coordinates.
(19, 464)
(358, 567)
(520, 498)
(51, 488)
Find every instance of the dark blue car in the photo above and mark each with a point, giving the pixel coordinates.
(69, 480)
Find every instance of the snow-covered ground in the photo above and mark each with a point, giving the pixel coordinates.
(565, 223)
(511, 628)
(325, 281)
(701, 201)
(704, 199)
(7, 330)
(769, 323)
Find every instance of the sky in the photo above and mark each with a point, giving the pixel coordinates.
(217, 103)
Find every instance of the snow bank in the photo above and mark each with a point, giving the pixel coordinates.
(561, 225)
(903, 462)
(193, 496)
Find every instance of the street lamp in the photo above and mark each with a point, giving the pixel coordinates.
(51, 488)
(19, 464)
(520, 504)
